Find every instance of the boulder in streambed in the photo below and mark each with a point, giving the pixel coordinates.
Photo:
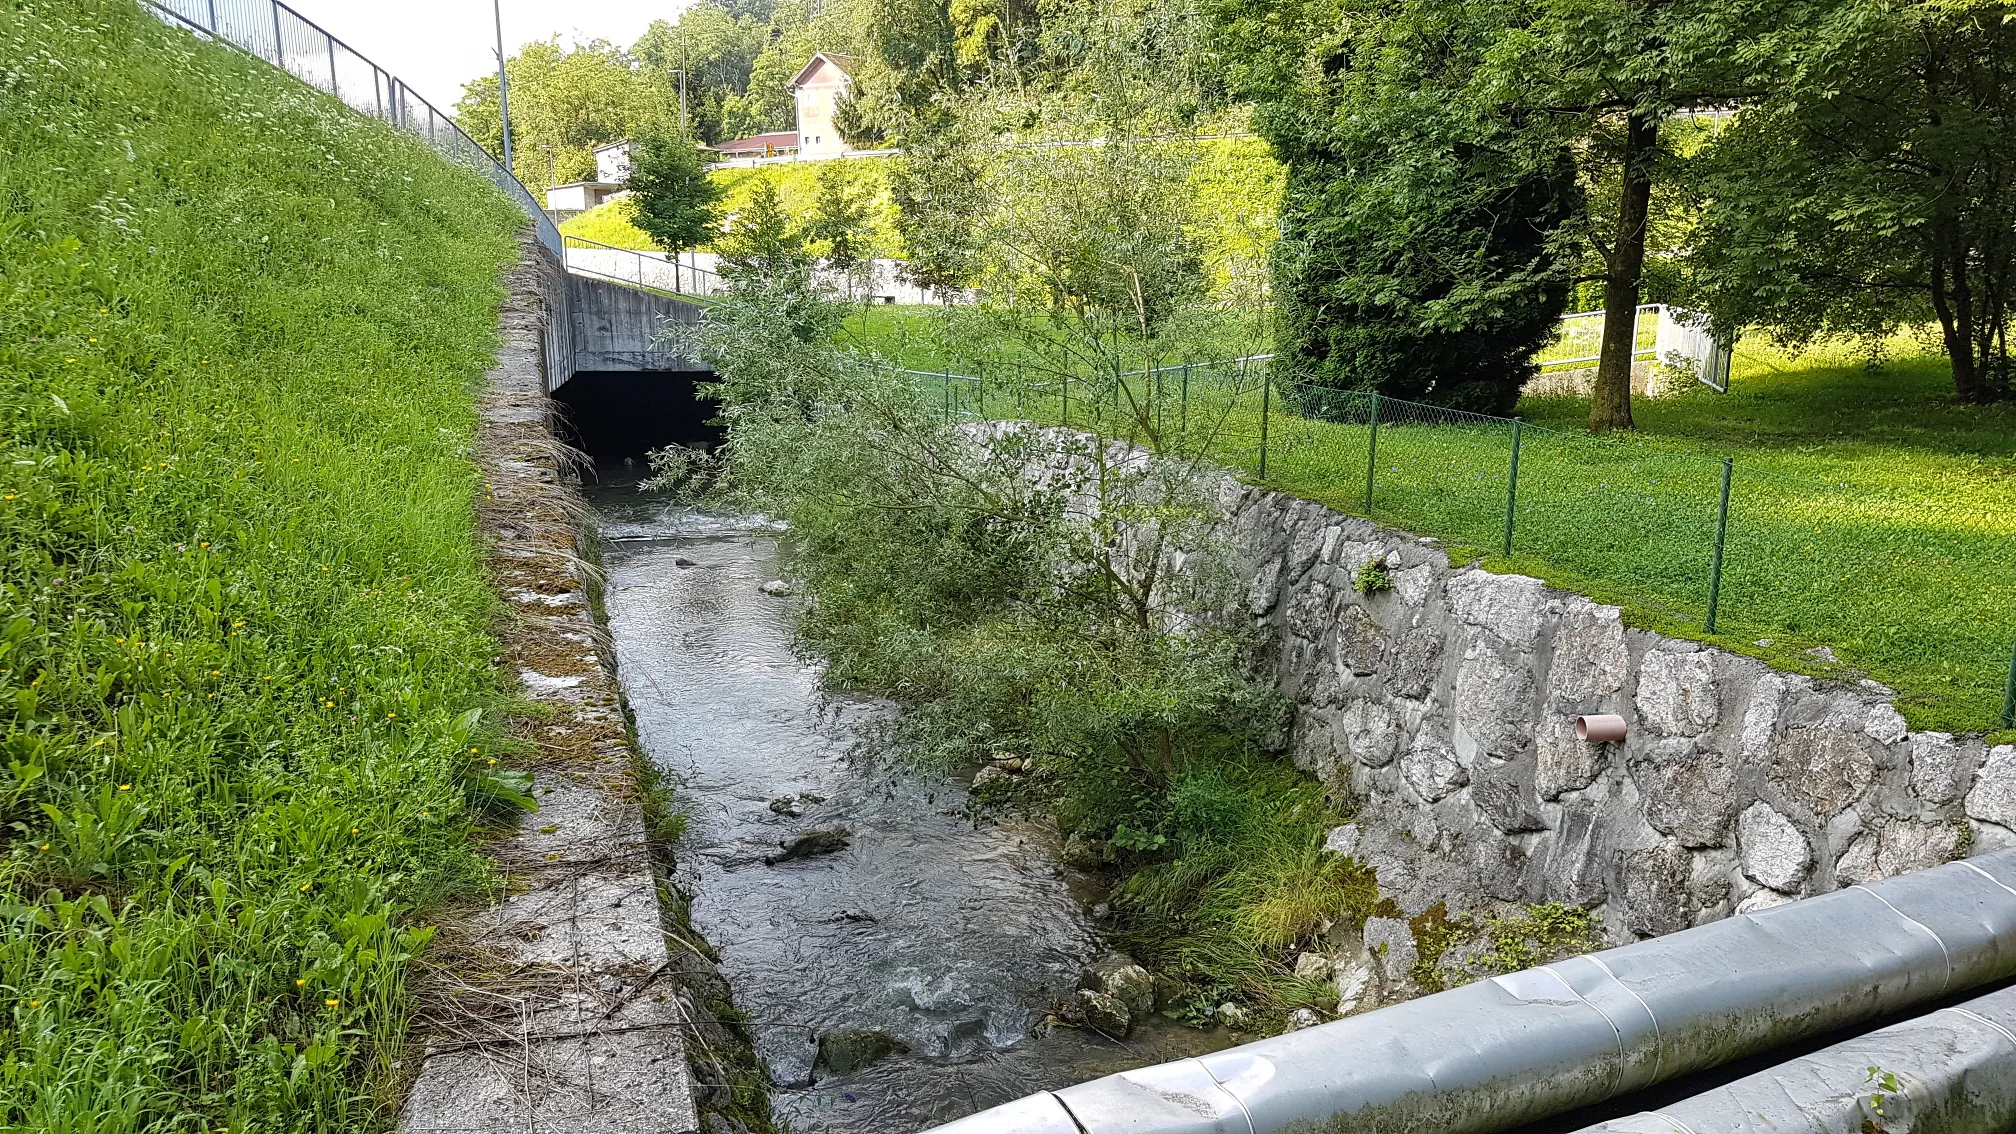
(811, 844)
(1118, 976)
(776, 588)
(787, 806)
(1104, 1013)
(843, 1051)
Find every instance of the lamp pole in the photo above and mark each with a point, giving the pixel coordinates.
(503, 84)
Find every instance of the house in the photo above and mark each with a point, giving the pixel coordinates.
(819, 87)
(777, 144)
(612, 168)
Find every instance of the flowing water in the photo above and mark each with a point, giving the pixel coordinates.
(953, 938)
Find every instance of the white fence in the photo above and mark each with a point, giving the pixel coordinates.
(1677, 338)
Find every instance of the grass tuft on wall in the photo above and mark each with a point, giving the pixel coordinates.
(244, 627)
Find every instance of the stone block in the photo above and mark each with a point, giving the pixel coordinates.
(1826, 765)
(1372, 733)
(1573, 870)
(1510, 606)
(1689, 791)
(1677, 692)
(1504, 797)
(1775, 854)
(1494, 696)
(1309, 610)
(1431, 769)
(1415, 666)
(1993, 797)
(1655, 883)
(1359, 644)
(1942, 767)
(1564, 762)
(1390, 942)
(1591, 660)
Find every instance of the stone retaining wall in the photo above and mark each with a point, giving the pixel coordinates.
(1447, 703)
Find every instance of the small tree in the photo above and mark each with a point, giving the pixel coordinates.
(677, 203)
(762, 245)
(839, 224)
(938, 187)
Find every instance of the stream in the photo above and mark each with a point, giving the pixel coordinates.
(953, 938)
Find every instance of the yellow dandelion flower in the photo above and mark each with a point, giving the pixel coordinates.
(301, 982)
(331, 1003)
(125, 787)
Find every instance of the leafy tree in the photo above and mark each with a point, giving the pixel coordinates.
(1874, 187)
(677, 203)
(938, 185)
(761, 244)
(716, 48)
(839, 222)
(1419, 252)
(564, 103)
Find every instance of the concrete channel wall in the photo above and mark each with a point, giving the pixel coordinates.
(558, 1009)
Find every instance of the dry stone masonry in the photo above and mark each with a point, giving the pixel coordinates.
(1446, 705)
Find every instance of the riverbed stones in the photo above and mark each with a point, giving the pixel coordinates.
(811, 844)
(1083, 852)
(1119, 977)
(1775, 854)
(1105, 1014)
(776, 588)
(1390, 943)
(992, 776)
(843, 1051)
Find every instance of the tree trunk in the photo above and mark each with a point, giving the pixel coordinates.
(1953, 301)
(1611, 406)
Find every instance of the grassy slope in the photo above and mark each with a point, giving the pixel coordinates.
(1237, 182)
(244, 612)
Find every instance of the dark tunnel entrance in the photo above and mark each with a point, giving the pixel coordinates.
(620, 416)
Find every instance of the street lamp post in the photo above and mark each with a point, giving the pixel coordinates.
(503, 84)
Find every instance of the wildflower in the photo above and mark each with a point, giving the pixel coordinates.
(355, 831)
(305, 885)
(34, 1004)
(125, 787)
(493, 761)
(301, 982)
(331, 1003)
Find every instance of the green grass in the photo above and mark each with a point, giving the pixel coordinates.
(1870, 513)
(243, 617)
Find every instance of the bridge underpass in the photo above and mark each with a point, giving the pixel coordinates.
(625, 390)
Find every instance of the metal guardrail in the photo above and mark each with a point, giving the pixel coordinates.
(650, 271)
(290, 41)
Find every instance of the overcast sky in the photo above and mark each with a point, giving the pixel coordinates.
(437, 45)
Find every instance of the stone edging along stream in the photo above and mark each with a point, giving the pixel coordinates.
(563, 1006)
(1444, 703)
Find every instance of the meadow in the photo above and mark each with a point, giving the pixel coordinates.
(1871, 522)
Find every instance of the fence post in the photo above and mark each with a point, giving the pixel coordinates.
(2009, 695)
(213, 17)
(1266, 405)
(1184, 425)
(980, 381)
(1064, 397)
(1512, 483)
(279, 45)
(947, 398)
(1372, 454)
(1721, 533)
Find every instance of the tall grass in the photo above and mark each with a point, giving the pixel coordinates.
(243, 621)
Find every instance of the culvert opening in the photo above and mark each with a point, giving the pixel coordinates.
(621, 416)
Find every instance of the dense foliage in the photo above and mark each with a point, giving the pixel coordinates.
(243, 620)
(673, 201)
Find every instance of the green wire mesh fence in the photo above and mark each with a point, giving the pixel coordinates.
(1916, 591)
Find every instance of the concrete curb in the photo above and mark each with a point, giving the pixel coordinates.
(566, 1018)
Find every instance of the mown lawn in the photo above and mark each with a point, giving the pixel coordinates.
(1871, 515)
(244, 626)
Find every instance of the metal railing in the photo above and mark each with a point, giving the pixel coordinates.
(1911, 582)
(650, 271)
(1661, 333)
(283, 37)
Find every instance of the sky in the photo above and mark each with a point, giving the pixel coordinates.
(437, 45)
